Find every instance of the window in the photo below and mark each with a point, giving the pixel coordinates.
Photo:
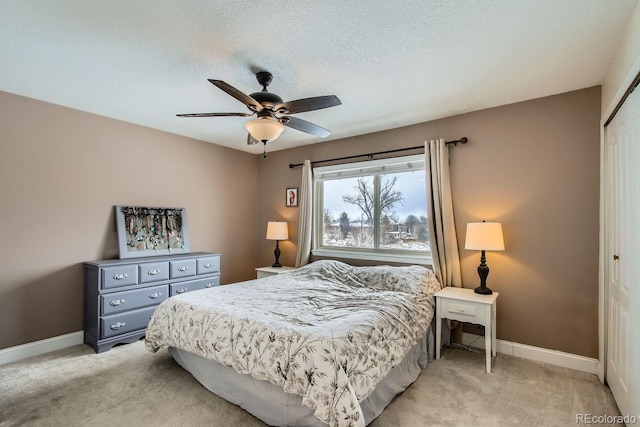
(372, 210)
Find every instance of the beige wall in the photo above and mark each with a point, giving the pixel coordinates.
(61, 173)
(534, 166)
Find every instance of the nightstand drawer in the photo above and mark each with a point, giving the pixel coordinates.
(464, 311)
(262, 272)
(468, 309)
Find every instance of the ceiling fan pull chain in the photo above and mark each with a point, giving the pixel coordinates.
(264, 152)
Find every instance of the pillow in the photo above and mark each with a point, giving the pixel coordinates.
(410, 279)
(325, 269)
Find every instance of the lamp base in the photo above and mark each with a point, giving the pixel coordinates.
(276, 252)
(483, 272)
(483, 290)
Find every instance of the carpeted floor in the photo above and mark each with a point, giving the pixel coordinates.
(128, 386)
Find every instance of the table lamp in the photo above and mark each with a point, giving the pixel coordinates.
(484, 236)
(277, 231)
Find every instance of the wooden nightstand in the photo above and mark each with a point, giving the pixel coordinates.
(270, 271)
(464, 305)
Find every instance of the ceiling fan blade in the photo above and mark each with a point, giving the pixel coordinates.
(251, 140)
(304, 126)
(240, 96)
(308, 104)
(215, 115)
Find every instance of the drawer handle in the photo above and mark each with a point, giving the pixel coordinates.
(120, 276)
(181, 291)
(153, 272)
(117, 325)
(183, 268)
(117, 302)
(209, 285)
(155, 295)
(461, 310)
(208, 265)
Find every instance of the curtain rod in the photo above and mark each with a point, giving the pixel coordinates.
(462, 140)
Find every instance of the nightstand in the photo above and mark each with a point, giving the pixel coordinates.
(262, 272)
(464, 305)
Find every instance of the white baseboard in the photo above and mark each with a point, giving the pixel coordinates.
(19, 352)
(552, 357)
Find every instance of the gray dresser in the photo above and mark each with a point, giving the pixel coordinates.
(120, 295)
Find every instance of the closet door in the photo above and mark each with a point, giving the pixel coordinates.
(622, 252)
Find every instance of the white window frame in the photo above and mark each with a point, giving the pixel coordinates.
(358, 169)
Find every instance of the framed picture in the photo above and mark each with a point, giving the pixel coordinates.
(146, 231)
(292, 198)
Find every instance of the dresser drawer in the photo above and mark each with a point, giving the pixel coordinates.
(130, 300)
(182, 268)
(122, 323)
(114, 277)
(153, 271)
(208, 265)
(194, 285)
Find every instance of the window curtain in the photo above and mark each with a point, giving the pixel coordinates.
(442, 227)
(305, 215)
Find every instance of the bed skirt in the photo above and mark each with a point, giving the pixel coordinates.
(272, 405)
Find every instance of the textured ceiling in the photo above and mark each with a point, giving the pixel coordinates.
(392, 63)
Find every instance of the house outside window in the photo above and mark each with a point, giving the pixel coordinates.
(374, 210)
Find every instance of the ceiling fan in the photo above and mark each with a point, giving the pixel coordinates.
(272, 113)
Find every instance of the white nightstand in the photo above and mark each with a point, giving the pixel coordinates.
(465, 305)
(270, 271)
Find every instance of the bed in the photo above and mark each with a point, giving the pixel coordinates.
(327, 344)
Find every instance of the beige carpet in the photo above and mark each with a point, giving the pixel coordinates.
(128, 386)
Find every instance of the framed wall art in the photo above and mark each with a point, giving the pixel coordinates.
(292, 197)
(146, 231)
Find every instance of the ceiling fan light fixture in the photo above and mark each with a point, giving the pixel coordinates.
(264, 129)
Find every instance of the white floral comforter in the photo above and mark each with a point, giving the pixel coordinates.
(328, 332)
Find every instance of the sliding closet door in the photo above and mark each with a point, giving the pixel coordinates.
(622, 254)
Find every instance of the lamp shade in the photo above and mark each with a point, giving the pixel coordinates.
(484, 236)
(277, 231)
(264, 129)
